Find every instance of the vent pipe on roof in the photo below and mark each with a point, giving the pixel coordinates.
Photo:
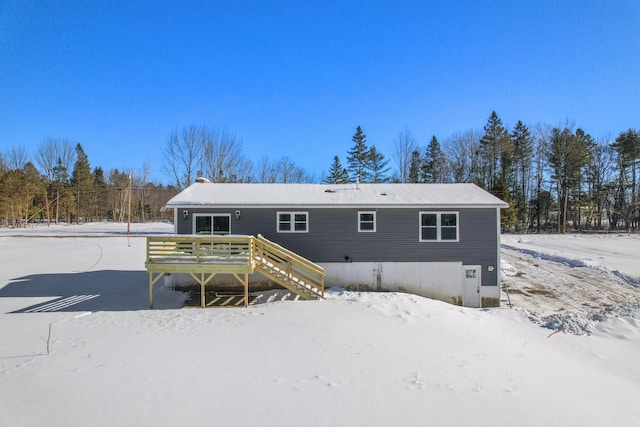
(202, 180)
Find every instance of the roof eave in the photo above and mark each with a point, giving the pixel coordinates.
(345, 206)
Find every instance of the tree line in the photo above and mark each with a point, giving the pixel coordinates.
(555, 178)
(60, 186)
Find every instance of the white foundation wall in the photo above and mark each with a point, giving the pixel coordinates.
(437, 280)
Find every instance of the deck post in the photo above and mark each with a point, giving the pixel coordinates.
(246, 290)
(203, 299)
(202, 296)
(152, 281)
(202, 281)
(245, 284)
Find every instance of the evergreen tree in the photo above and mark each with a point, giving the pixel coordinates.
(11, 202)
(33, 191)
(627, 146)
(21, 194)
(492, 149)
(568, 155)
(522, 156)
(337, 173)
(434, 164)
(82, 182)
(99, 194)
(508, 216)
(60, 182)
(358, 157)
(586, 145)
(415, 166)
(377, 170)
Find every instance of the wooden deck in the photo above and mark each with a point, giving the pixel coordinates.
(202, 257)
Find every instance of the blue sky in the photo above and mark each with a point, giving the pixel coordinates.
(296, 78)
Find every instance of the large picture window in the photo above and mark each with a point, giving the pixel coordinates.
(293, 222)
(366, 222)
(439, 226)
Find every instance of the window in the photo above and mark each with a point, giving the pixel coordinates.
(438, 226)
(366, 222)
(293, 222)
(212, 224)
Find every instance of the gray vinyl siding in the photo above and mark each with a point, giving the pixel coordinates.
(333, 235)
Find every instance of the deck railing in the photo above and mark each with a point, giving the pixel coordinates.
(200, 250)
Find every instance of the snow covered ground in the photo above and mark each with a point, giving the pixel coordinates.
(353, 359)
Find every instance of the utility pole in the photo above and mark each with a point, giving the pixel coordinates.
(129, 208)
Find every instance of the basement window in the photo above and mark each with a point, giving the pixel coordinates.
(439, 226)
(366, 222)
(293, 222)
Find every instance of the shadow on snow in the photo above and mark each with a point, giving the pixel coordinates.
(107, 290)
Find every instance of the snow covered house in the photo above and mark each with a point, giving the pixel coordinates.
(440, 241)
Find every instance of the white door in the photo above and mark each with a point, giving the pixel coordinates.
(471, 285)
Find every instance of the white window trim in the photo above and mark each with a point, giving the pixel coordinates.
(360, 230)
(292, 213)
(196, 215)
(438, 227)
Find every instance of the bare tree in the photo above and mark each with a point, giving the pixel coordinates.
(17, 158)
(119, 194)
(197, 151)
(540, 197)
(600, 174)
(140, 183)
(462, 150)
(53, 153)
(3, 164)
(182, 155)
(283, 171)
(223, 159)
(266, 170)
(403, 146)
(288, 172)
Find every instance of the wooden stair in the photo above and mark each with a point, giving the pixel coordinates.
(289, 269)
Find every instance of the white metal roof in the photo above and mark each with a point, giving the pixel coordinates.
(328, 195)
